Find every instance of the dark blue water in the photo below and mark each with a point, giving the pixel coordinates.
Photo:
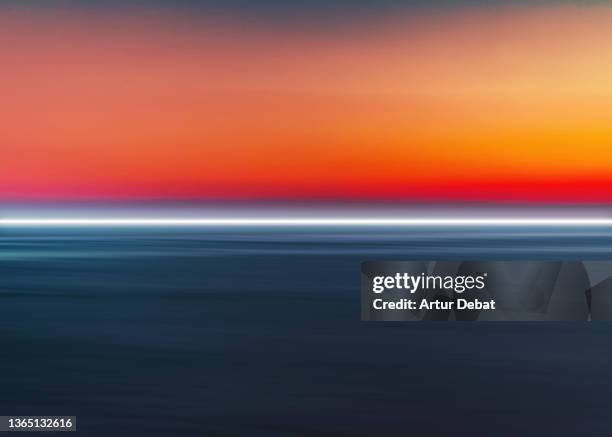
(251, 332)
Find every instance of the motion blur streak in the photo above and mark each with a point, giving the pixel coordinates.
(309, 222)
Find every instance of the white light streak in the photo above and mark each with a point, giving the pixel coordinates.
(307, 222)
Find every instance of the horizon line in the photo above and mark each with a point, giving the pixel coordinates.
(306, 222)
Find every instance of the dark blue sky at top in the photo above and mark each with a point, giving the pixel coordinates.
(290, 12)
(282, 7)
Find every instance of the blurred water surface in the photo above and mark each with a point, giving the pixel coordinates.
(257, 332)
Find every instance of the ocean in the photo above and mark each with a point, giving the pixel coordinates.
(243, 331)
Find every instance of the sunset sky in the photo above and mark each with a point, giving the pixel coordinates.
(404, 101)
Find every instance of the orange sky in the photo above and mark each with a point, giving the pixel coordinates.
(490, 103)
